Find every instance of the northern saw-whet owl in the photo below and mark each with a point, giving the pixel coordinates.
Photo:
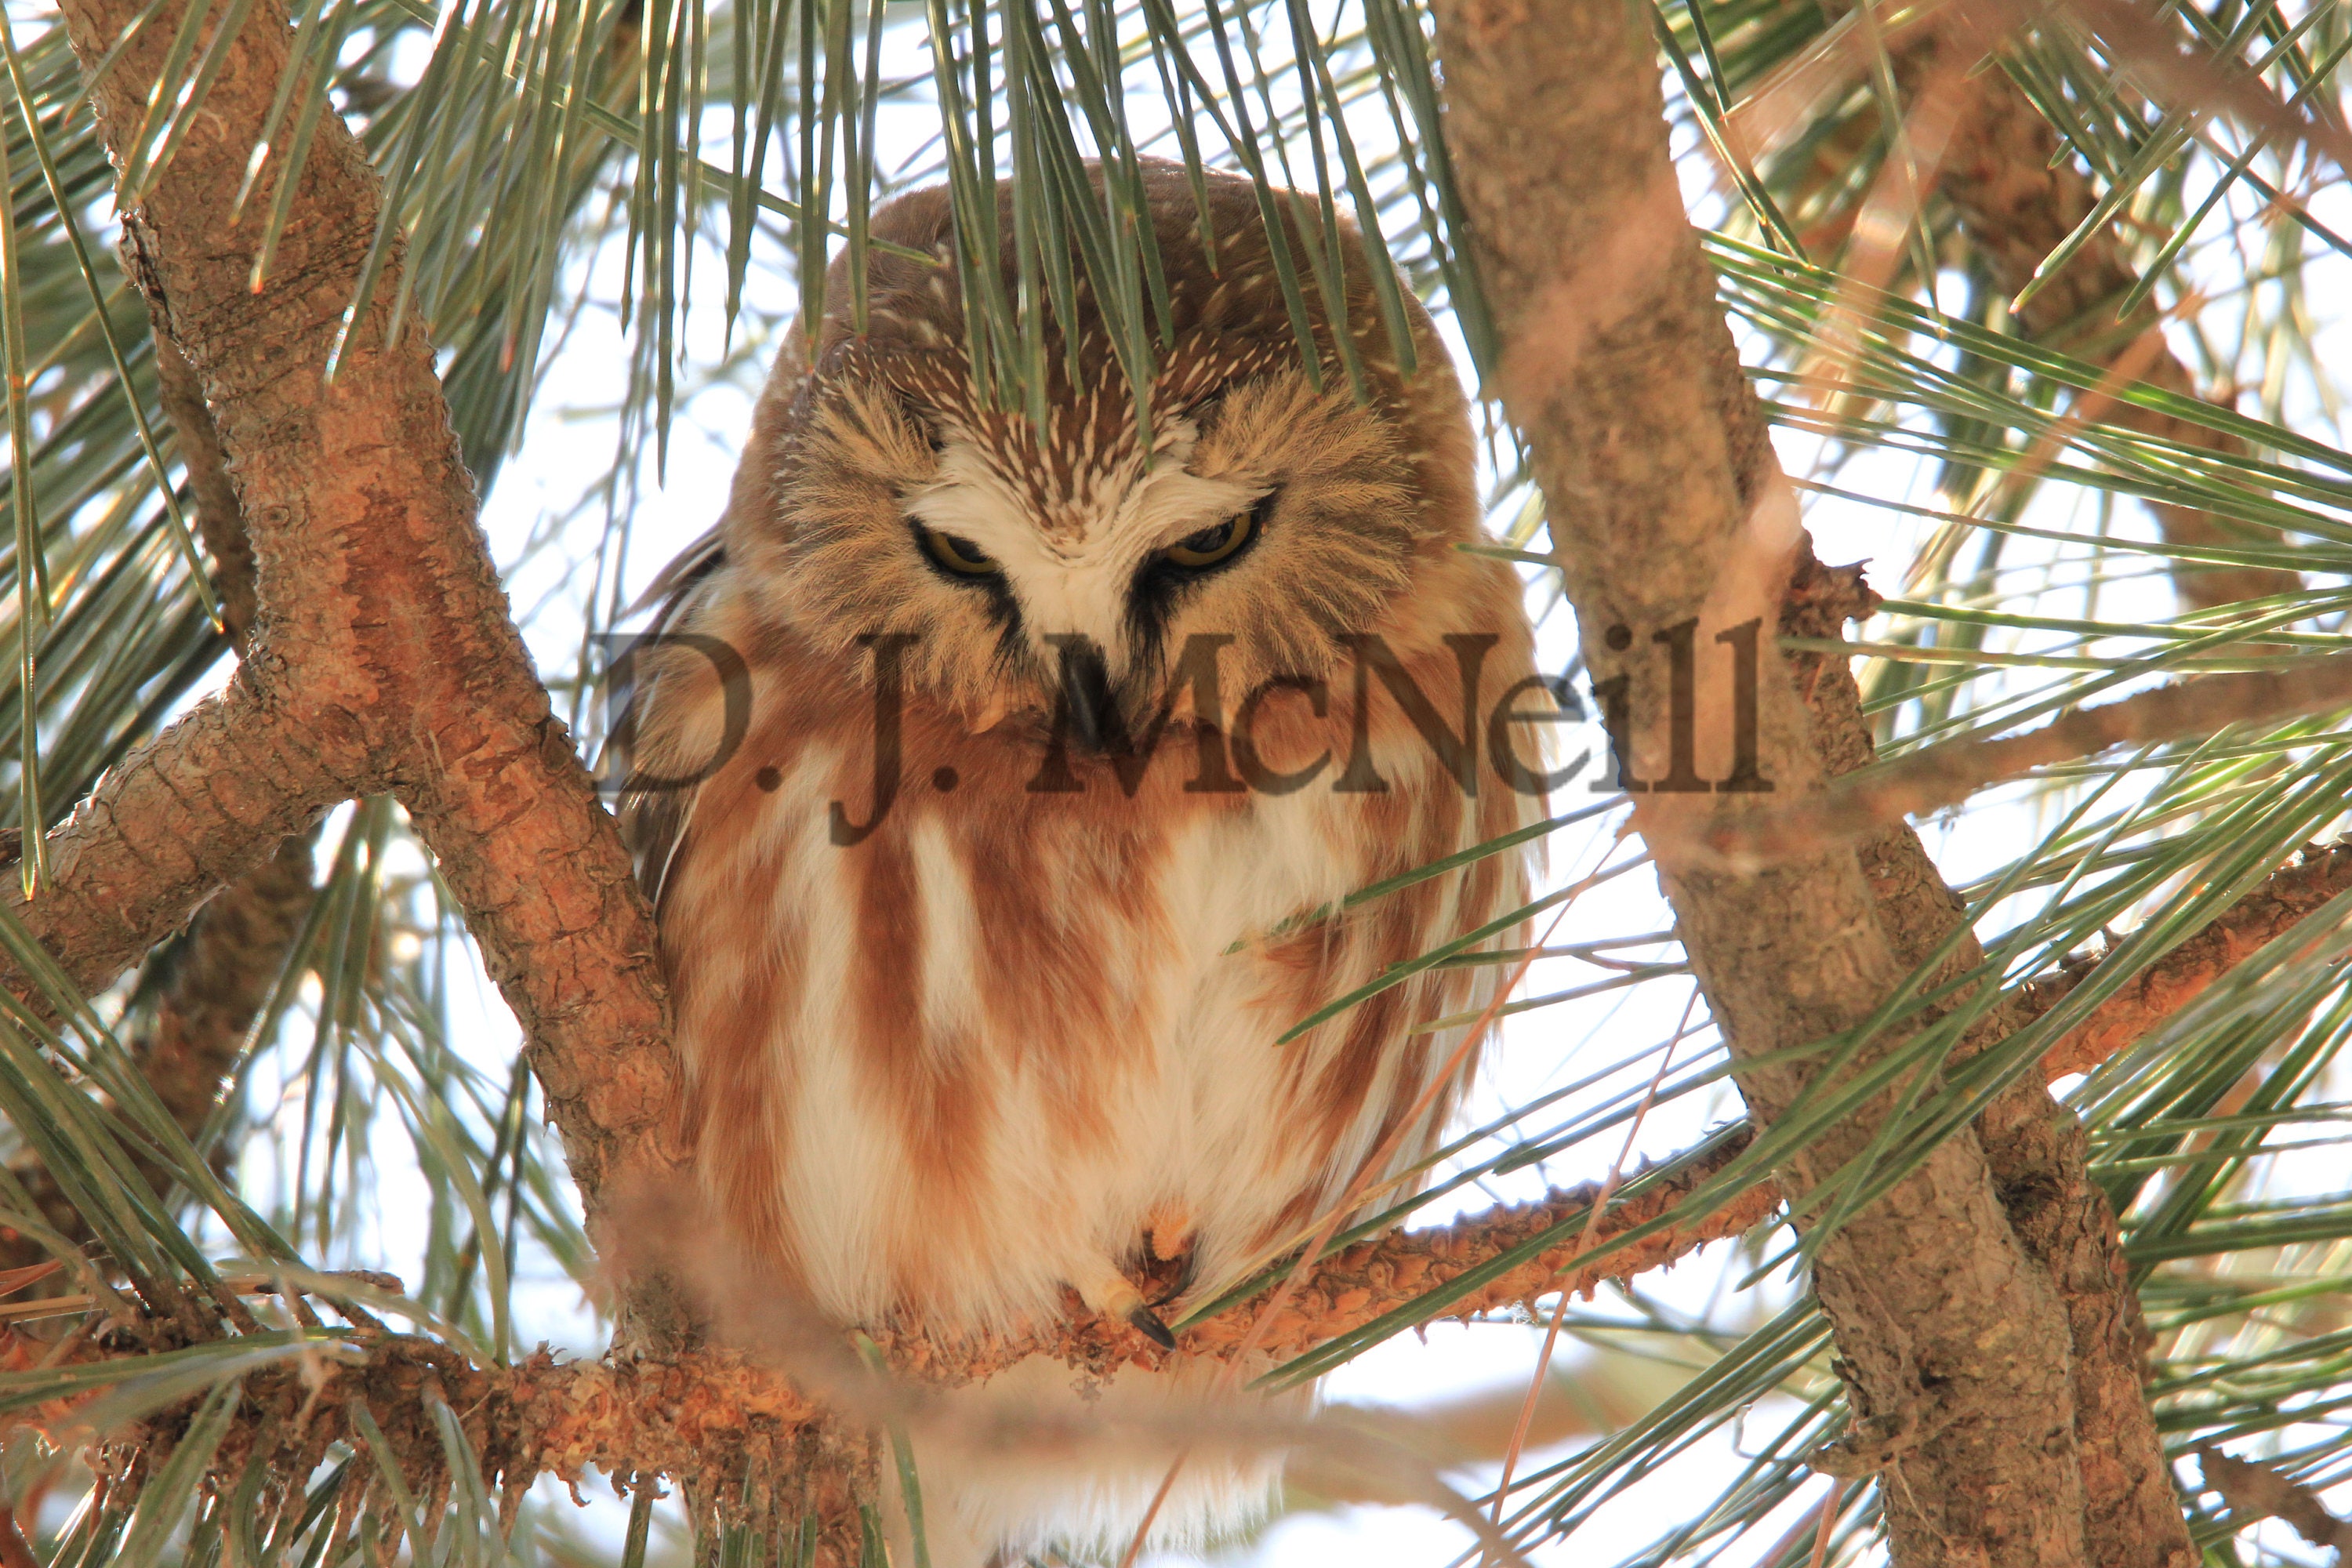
(1013, 1034)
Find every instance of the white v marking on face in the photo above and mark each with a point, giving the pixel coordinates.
(1078, 585)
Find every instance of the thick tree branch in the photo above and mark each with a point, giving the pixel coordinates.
(381, 623)
(1671, 521)
(212, 986)
(2034, 1149)
(203, 803)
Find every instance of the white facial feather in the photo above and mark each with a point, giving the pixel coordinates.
(1078, 586)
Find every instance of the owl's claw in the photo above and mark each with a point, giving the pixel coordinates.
(1146, 1323)
(1112, 1294)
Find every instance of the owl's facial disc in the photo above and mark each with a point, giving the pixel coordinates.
(1271, 529)
(1087, 693)
(1081, 593)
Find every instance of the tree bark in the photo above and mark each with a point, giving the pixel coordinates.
(201, 805)
(2037, 1154)
(1673, 525)
(382, 654)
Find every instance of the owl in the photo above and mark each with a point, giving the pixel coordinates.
(1001, 775)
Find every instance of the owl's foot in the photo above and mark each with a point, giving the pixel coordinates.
(1166, 1282)
(1109, 1292)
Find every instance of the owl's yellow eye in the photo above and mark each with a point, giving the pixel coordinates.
(1211, 546)
(958, 554)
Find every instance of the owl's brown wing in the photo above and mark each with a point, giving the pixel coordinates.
(643, 689)
(674, 583)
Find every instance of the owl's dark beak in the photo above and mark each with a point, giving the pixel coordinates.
(1094, 717)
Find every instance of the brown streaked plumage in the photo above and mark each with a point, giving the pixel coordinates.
(1015, 1041)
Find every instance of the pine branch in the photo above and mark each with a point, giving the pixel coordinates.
(707, 1416)
(2177, 979)
(2255, 1493)
(1951, 772)
(382, 646)
(707, 1419)
(2016, 202)
(1963, 1299)
(2160, 990)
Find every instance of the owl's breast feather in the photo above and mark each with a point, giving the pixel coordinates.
(937, 1067)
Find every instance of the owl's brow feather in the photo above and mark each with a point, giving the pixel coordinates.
(1091, 435)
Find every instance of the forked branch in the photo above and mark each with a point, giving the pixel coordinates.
(383, 652)
(384, 658)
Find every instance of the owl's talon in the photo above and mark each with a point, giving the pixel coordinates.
(1185, 1275)
(1111, 1293)
(1146, 1323)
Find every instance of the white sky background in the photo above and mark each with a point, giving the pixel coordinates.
(571, 435)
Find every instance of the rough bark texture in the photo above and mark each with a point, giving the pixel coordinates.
(382, 645)
(1668, 508)
(2035, 1148)
(207, 801)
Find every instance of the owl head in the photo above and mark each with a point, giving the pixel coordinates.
(1057, 570)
